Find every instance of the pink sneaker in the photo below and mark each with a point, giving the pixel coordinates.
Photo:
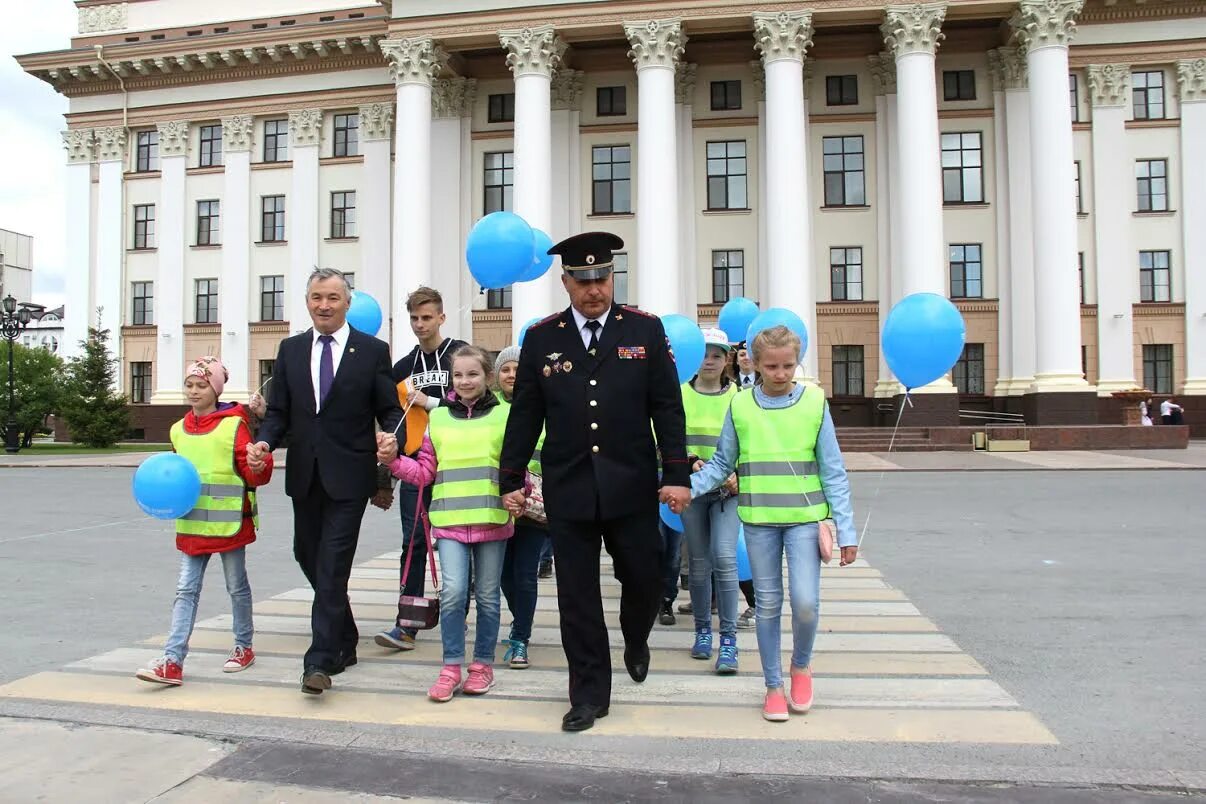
(801, 690)
(447, 684)
(162, 671)
(481, 679)
(775, 707)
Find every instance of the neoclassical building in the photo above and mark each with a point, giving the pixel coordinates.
(1042, 163)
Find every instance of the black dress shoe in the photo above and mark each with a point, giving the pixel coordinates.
(581, 717)
(637, 662)
(315, 681)
(342, 664)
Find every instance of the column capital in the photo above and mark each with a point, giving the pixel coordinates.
(914, 28)
(375, 121)
(782, 35)
(413, 61)
(655, 43)
(111, 144)
(80, 144)
(684, 81)
(883, 73)
(305, 127)
(567, 90)
(453, 97)
(533, 51)
(1007, 66)
(1191, 80)
(237, 133)
(173, 138)
(1046, 23)
(1109, 84)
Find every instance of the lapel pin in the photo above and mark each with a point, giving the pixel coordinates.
(561, 325)
(351, 349)
(568, 366)
(619, 317)
(548, 371)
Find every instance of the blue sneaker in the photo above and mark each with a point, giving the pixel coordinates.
(726, 658)
(517, 654)
(395, 638)
(703, 644)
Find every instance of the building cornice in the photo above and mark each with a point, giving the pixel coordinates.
(1137, 53)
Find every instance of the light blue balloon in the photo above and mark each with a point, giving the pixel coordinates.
(523, 332)
(744, 573)
(774, 317)
(687, 341)
(166, 486)
(923, 338)
(499, 249)
(365, 313)
(736, 316)
(671, 519)
(541, 259)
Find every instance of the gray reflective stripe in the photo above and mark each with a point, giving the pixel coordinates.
(470, 473)
(472, 503)
(703, 440)
(808, 498)
(777, 468)
(220, 490)
(210, 515)
(536, 456)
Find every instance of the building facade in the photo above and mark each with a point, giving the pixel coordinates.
(16, 265)
(1042, 163)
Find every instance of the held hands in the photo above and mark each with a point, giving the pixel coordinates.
(257, 405)
(730, 485)
(514, 502)
(257, 456)
(849, 554)
(383, 499)
(387, 447)
(676, 498)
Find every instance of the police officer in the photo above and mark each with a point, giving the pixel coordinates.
(595, 376)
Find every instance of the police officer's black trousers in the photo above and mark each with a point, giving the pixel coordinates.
(635, 547)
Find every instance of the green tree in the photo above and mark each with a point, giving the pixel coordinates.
(96, 415)
(38, 383)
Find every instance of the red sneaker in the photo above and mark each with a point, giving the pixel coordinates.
(240, 659)
(801, 690)
(775, 707)
(162, 671)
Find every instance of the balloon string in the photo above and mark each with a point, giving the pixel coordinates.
(879, 484)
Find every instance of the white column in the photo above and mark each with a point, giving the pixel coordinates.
(1191, 81)
(413, 63)
(566, 170)
(656, 48)
(234, 287)
(170, 234)
(451, 103)
(1113, 200)
(467, 216)
(883, 77)
(373, 200)
(684, 113)
(763, 290)
(1044, 30)
(1001, 202)
(302, 212)
(895, 195)
(111, 238)
(782, 39)
(79, 311)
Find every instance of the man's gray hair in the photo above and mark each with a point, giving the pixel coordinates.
(319, 274)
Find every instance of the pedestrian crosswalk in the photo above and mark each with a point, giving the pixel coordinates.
(883, 673)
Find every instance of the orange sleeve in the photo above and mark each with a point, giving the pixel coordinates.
(253, 479)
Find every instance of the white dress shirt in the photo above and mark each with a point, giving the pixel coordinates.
(337, 345)
(747, 380)
(581, 320)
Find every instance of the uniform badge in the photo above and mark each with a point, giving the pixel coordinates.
(351, 350)
(561, 325)
(555, 356)
(631, 352)
(619, 317)
(548, 371)
(567, 366)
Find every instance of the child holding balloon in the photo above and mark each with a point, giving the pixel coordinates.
(214, 437)
(781, 441)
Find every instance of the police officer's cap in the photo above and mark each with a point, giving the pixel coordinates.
(588, 255)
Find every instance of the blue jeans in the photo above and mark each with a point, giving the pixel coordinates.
(487, 558)
(188, 592)
(519, 581)
(672, 560)
(766, 545)
(710, 525)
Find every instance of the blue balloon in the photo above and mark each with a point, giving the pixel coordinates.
(364, 314)
(541, 259)
(499, 249)
(687, 342)
(744, 573)
(523, 332)
(166, 486)
(922, 338)
(736, 316)
(671, 519)
(774, 317)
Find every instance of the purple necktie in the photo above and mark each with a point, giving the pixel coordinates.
(326, 369)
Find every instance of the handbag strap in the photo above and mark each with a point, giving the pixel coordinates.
(421, 516)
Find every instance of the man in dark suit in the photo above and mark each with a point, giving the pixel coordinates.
(330, 384)
(595, 376)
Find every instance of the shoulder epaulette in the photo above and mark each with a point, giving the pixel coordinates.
(546, 320)
(638, 311)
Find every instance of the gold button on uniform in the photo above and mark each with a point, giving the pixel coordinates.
(594, 425)
(594, 449)
(594, 382)
(593, 403)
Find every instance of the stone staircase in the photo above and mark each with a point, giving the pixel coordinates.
(908, 439)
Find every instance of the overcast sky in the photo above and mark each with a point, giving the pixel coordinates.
(32, 159)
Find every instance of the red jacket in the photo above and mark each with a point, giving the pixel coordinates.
(201, 545)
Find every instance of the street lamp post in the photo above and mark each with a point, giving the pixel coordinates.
(12, 323)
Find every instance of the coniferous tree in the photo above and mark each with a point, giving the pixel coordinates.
(96, 415)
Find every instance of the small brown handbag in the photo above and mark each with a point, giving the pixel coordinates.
(419, 612)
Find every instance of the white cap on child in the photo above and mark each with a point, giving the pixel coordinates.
(716, 337)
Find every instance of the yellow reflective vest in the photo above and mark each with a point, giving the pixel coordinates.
(219, 509)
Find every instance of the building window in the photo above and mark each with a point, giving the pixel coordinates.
(272, 298)
(1158, 367)
(1080, 261)
(208, 220)
(958, 85)
(966, 271)
(1080, 199)
(272, 217)
(844, 176)
(726, 96)
(143, 296)
(962, 171)
(846, 273)
(728, 275)
(144, 226)
(847, 371)
(501, 109)
(1154, 283)
(266, 367)
(347, 135)
(1074, 93)
(276, 140)
(499, 298)
(1147, 95)
(612, 179)
(841, 90)
(140, 383)
(207, 301)
(343, 214)
(1151, 175)
(611, 101)
(969, 370)
(211, 146)
(619, 274)
(147, 151)
(726, 175)
(499, 181)
(1084, 362)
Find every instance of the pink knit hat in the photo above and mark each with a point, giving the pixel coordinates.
(210, 369)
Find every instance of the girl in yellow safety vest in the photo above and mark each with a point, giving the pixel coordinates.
(780, 440)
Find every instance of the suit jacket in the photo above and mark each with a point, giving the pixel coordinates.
(340, 441)
(599, 456)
